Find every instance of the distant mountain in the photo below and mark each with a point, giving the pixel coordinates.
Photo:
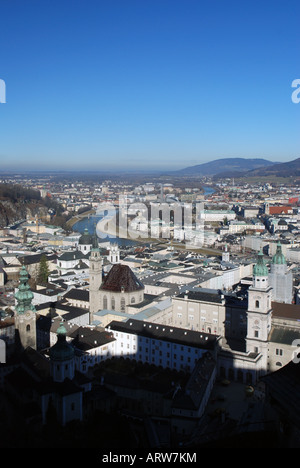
(289, 169)
(228, 166)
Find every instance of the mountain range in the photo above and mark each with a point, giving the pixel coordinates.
(242, 167)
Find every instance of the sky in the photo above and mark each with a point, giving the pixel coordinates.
(147, 84)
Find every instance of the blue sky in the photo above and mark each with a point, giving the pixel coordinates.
(147, 83)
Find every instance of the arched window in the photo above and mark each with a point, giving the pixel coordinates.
(113, 303)
(257, 304)
(132, 300)
(122, 304)
(28, 328)
(104, 302)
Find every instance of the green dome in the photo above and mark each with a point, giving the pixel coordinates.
(24, 295)
(86, 238)
(62, 350)
(279, 258)
(260, 269)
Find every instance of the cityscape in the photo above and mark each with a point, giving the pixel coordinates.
(149, 279)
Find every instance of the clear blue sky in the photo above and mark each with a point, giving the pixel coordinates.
(147, 83)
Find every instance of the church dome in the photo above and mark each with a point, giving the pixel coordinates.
(62, 350)
(279, 258)
(86, 238)
(260, 269)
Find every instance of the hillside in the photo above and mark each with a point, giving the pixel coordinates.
(230, 166)
(17, 202)
(288, 169)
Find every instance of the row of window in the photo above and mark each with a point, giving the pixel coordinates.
(113, 303)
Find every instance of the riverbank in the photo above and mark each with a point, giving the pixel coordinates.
(116, 231)
(72, 221)
(109, 227)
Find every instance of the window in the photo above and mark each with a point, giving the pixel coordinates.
(28, 328)
(257, 304)
(113, 303)
(122, 304)
(133, 300)
(104, 302)
(256, 334)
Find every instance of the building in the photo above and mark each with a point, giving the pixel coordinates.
(259, 315)
(161, 345)
(210, 311)
(281, 280)
(119, 288)
(85, 242)
(25, 313)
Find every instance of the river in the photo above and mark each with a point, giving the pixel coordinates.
(91, 222)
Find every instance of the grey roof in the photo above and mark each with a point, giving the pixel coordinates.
(86, 338)
(166, 333)
(206, 295)
(78, 294)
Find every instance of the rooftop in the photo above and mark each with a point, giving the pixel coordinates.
(121, 278)
(166, 333)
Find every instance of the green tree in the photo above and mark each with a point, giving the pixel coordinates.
(43, 271)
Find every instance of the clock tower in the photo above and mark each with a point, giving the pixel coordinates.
(25, 313)
(259, 314)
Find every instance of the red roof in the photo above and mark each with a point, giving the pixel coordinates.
(280, 210)
(121, 278)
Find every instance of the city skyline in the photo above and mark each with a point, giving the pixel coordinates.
(147, 85)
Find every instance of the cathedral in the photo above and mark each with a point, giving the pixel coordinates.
(272, 324)
(118, 289)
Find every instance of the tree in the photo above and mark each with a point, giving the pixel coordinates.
(43, 272)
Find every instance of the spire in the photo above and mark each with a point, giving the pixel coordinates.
(24, 295)
(95, 245)
(260, 269)
(279, 258)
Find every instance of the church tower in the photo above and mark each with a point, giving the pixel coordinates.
(25, 313)
(96, 266)
(280, 278)
(62, 361)
(226, 255)
(259, 312)
(114, 254)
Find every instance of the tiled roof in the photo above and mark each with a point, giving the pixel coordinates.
(121, 278)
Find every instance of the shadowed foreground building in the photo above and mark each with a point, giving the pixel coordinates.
(282, 403)
(52, 385)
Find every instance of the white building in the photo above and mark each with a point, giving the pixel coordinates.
(161, 345)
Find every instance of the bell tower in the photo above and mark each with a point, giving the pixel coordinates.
(259, 312)
(96, 267)
(25, 313)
